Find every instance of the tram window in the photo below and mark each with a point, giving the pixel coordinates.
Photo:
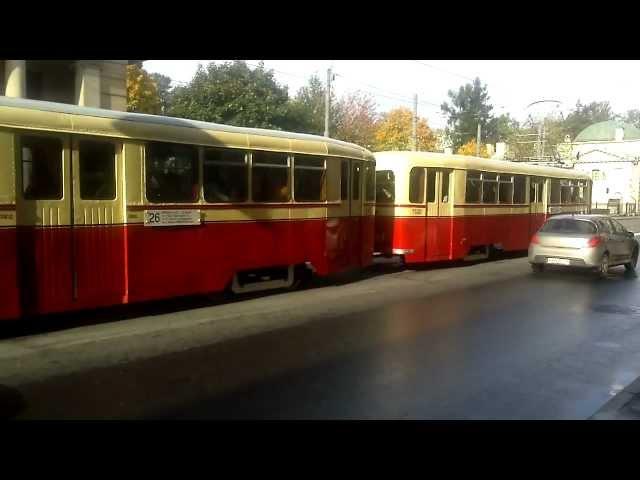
(371, 183)
(431, 185)
(565, 191)
(270, 177)
(505, 189)
(385, 186)
(555, 191)
(474, 187)
(172, 173)
(416, 185)
(224, 175)
(309, 178)
(41, 168)
(97, 170)
(519, 188)
(344, 180)
(356, 182)
(489, 188)
(444, 196)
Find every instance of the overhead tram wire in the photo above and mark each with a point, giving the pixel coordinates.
(443, 70)
(430, 106)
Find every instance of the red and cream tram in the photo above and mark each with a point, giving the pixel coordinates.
(100, 208)
(434, 207)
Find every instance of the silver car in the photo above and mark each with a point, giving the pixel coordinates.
(594, 242)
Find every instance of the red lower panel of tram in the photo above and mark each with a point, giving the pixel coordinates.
(427, 239)
(55, 269)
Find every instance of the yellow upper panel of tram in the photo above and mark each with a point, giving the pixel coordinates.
(405, 161)
(57, 117)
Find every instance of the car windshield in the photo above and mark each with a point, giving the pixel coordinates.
(568, 225)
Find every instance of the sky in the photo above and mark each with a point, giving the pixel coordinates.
(512, 84)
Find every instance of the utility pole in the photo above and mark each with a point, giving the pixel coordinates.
(539, 155)
(327, 101)
(414, 135)
(478, 140)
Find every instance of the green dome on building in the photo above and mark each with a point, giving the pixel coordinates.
(606, 132)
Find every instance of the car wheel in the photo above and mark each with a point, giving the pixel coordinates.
(603, 269)
(631, 266)
(537, 267)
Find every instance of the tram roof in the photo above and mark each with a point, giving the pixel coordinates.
(466, 162)
(60, 117)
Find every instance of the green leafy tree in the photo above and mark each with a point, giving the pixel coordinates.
(584, 115)
(231, 93)
(632, 117)
(163, 85)
(469, 106)
(306, 109)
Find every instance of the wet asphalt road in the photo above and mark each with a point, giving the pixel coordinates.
(493, 341)
(550, 347)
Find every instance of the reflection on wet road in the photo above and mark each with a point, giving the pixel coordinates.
(549, 346)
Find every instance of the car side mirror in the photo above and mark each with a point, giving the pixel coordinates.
(631, 235)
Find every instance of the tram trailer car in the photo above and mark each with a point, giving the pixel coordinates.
(100, 208)
(436, 207)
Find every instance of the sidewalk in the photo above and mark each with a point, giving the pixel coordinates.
(624, 406)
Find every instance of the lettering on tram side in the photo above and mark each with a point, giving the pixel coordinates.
(171, 218)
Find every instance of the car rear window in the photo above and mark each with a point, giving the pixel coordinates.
(568, 225)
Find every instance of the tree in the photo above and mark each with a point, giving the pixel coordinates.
(306, 109)
(356, 120)
(584, 115)
(231, 93)
(469, 106)
(142, 92)
(163, 84)
(502, 129)
(469, 148)
(632, 117)
(395, 129)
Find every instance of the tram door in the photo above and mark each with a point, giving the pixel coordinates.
(42, 172)
(536, 204)
(438, 221)
(99, 276)
(356, 211)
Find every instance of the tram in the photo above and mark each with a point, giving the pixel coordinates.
(99, 208)
(436, 207)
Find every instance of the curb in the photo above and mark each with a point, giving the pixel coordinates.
(624, 406)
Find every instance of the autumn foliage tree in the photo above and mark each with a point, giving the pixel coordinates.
(142, 91)
(356, 120)
(469, 148)
(395, 130)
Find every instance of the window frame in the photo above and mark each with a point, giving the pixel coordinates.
(323, 169)
(423, 190)
(117, 151)
(524, 188)
(64, 145)
(501, 182)
(197, 170)
(247, 174)
(345, 183)
(392, 182)
(490, 181)
(468, 179)
(288, 166)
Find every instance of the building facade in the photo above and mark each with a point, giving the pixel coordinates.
(610, 153)
(89, 83)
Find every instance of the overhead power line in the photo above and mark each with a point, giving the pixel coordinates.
(443, 70)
